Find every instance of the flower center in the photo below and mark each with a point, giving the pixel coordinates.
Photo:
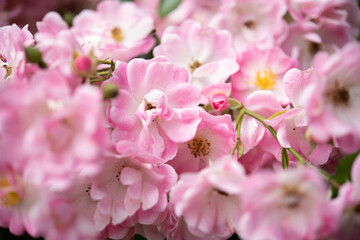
(250, 24)
(149, 106)
(8, 194)
(194, 65)
(265, 79)
(292, 197)
(199, 147)
(8, 71)
(314, 47)
(116, 34)
(341, 96)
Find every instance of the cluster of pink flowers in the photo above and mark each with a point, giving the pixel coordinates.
(221, 117)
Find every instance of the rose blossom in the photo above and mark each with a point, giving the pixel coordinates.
(117, 30)
(155, 108)
(285, 205)
(250, 24)
(206, 53)
(209, 200)
(261, 70)
(12, 55)
(332, 98)
(214, 138)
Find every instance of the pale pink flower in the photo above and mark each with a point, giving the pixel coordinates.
(206, 53)
(332, 99)
(348, 203)
(20, 202)
(129, 189)
(291, 126)
(155, 108)
(250, 24)
(51, 131)
(69, 214)
(217, 95)
(215, 137)
(287, 205)
(175, 227)
(61, 51)
(261, 70)
(12, 56)
(116, 30)
(209, 200)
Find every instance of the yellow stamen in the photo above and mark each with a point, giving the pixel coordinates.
(8, 71)
(116, 34)
(194, 65)
(8, 195)
(265, 79)
(10, 199)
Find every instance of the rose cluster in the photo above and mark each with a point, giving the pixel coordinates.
(182, 120)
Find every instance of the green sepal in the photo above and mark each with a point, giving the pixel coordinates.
(33, 55)
(167, 6)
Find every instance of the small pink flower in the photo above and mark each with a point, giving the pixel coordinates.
(127, 188)
(61, 133)
(156, 107)
(332, 98)
(206, 53)
(12, 56)
(217, 95)
(251, 24)
(348, 203)
(261, 70)
(117, 30)
(61, 51)
(209, 201)
(287, 205)
(214, 138)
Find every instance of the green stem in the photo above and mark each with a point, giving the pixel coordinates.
(97, 80)
(296, 154)
(273, 132)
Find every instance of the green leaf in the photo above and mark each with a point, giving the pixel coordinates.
(33, 55)
(167, 6)
(234, 104)
(343, 171)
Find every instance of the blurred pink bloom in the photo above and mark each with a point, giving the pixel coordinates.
(116, 30)
(287, 205)
(250, 24)
(348, 202)
(129, 189)
(215, 137)
(291, 125)
(332, 99)
(12, 56)
(206, 53)
(261, 70)
(61, 51)
(155, 108)
(51, 131)
(20, 202)
(209, 200)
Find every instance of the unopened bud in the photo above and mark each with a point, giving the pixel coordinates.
(84, 65)
(110, 90)
(34, 55)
